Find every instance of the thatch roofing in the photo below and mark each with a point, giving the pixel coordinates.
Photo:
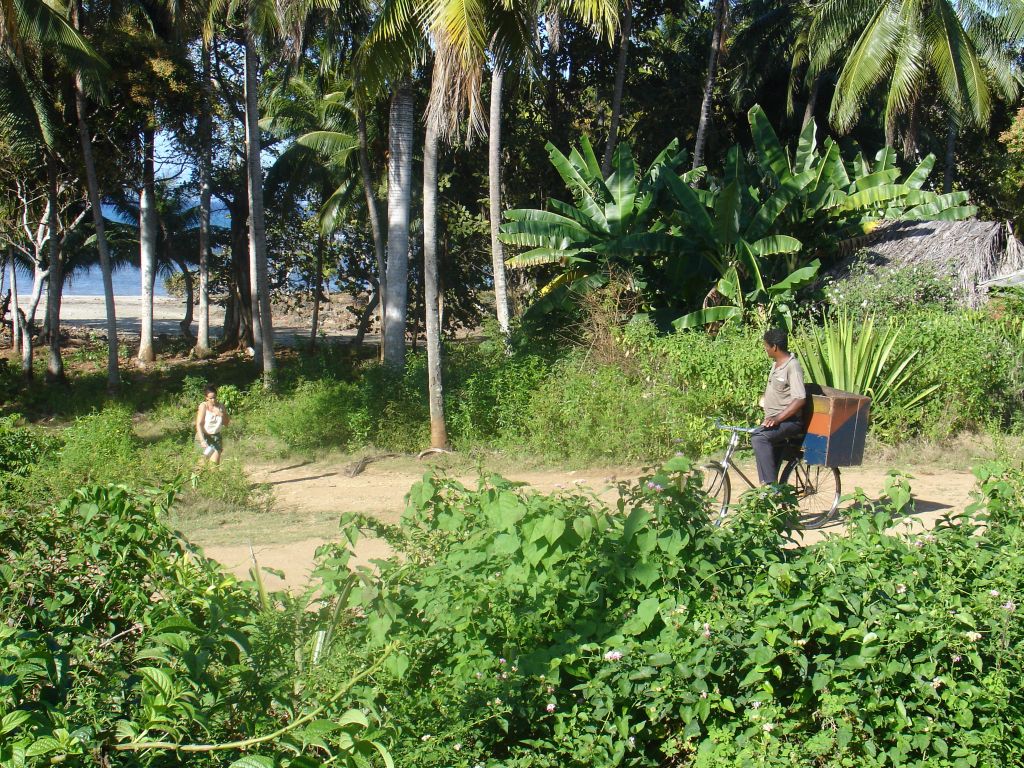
(972, 252)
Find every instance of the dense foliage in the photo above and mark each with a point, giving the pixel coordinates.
(517, 629)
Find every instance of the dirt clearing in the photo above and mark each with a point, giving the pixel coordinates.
(310, 496)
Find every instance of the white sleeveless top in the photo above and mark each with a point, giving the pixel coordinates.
(212, 422)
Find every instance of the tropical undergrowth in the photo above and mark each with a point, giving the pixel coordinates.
(519, 629)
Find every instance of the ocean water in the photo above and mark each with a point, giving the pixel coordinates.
(127, 282)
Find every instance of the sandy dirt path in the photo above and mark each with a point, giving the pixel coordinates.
(309, 497)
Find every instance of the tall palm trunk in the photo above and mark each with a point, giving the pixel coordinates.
(373, 212)
(15, 319)
(949, 177)
(494, 192)
(95, 198)
(812, 101)
(317, 288)
(113, 371)
(148, 225)
(185, 324)
(400, 142)
(202, 348)
(431, 308)
(620, 81)
(55, 281)
(257, 228)
(714, 58)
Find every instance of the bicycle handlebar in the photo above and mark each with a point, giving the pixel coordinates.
(732, 428)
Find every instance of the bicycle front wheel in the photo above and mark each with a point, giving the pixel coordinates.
(818, 490)
(714, 483)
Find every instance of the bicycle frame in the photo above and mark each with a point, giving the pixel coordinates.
(734, 443)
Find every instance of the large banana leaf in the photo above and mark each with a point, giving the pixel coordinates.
(570, 175)
(874, 197)
(805, 148)
(774, 245)
(703, 317)
(797, 279)
(622, 187)
(920, 174)
(788, 191)
(539, 257)
(767, 143)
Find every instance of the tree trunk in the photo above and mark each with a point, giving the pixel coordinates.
(373, 212)
(494, 190)
(910, 135)
(202, 348)
(257, 229)
(230, 334)
(15, 310)
(620, 81)
(714, 57)
(364, 319)
(148, 225)
(95, 198)
(812, 101)
(317, 288)
(186, 322)
(400, 141)
(55, 281)
(26, 347)
(435, 386)
(39, 275)
(950, 176)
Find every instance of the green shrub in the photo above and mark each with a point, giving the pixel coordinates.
(549, 631)
(315, 415)
(98, 448)
(978, 371)
(20, 447)
(893, 291)
(117, 637)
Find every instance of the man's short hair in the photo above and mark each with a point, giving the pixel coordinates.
(776, 337)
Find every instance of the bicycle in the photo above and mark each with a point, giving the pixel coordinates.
(818, 488)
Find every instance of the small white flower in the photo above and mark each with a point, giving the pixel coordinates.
(550, 707)
(707, 630)
(901, 589)
(456, 747)
(613, 655)
(1009, 606)
(755, 705)
(426, 737)
(973, 636)
(994, 592)
(703, 694)
(937, 683)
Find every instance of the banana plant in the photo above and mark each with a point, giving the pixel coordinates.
(843, 198)
(611, 225)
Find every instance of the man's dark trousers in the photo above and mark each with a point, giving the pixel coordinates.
(766, 443)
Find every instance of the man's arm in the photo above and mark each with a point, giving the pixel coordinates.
(794, 408)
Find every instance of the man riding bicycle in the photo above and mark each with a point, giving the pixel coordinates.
(783, 404)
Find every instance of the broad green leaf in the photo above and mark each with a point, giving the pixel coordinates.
(703, 317)
(769, 149)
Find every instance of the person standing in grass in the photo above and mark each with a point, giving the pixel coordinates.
(783, 404)
(210, 419)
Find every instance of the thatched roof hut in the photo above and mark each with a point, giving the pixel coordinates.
(974, 253)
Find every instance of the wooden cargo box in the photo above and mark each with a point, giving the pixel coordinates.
(836, 428)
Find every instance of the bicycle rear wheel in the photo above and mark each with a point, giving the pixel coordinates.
(714, 483)
(818, 490)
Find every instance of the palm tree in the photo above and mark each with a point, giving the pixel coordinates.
(95, 198)
(625, 30)
(148, 223)
(320, 159)
(963, 47)
(719, 35)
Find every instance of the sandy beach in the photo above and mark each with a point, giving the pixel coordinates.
(168, 311)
